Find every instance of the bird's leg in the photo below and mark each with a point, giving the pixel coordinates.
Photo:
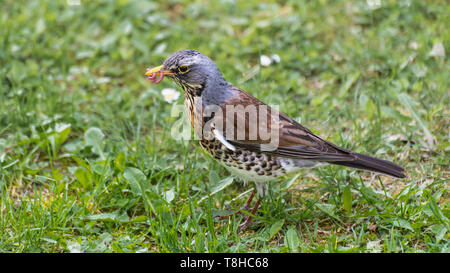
(249, 200)
(244, 207)
(248, 218)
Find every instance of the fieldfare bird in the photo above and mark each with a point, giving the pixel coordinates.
(254, 141)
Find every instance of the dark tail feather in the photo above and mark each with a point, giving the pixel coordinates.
(365, 162)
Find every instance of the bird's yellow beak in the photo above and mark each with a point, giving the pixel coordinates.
(157, 70)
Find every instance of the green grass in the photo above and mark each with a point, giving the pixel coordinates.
(87, 161)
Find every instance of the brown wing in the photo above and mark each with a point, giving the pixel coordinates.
(294, 140)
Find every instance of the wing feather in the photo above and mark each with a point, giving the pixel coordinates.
(295, 140)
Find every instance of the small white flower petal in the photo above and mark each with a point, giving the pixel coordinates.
(73, 2)
(275, 58)
(264, 60)
(413, 45)
(438, 50)
(373, 4)
(420, 70)
(103, 80)
(15, 48)
(170, 95)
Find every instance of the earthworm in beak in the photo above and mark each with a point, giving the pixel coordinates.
(161, 77)
(152, 77)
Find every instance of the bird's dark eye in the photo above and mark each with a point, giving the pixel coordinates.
(183, 68)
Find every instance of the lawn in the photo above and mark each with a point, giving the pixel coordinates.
(88, 161)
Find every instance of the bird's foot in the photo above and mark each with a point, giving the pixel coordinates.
(245, 224)
(248, 218)
(230, 215)
(239, 212)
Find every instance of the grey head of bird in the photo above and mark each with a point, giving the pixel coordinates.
(191, 70)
